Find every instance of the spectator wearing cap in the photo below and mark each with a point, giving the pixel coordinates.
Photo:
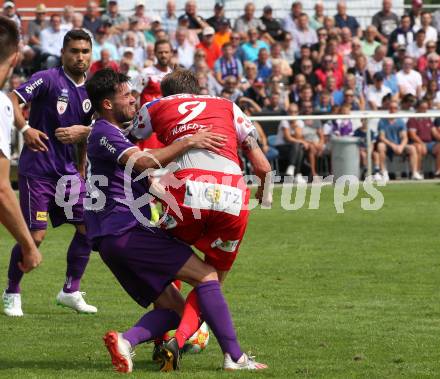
(134, 26)
(389, 76)
(35, 27)
(290, 21)
(422, 62)
(248, 21)
(169, 18)
(430, 32)
(376, 92)
(227, 65)
(10, 12)
(212, 50)
(317, 20)
(303, 33)
(415, 13)
(249, 50)
(403, 35)
(92, 19)
(342, 19)
(218, 17)
(432, 71)
(155, 27)
(369, 43)
(104, 62)
(112, 16)
(425, 137)
(143, 20)
(399, 57)
(264, 65)
(257, 92)
(101, 42)
(183, 49)
(385, 21)
(195, 21)
(409, 80)
(223, 33)
(271, 24)
(375, 63)
(417, 47)
(52, 42)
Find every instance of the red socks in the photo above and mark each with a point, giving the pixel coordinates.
(190, 322)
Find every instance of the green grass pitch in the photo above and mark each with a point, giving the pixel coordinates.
(313, 294)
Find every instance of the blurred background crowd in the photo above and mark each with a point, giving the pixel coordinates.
(302, 64)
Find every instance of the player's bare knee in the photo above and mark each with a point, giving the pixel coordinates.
(210, 275)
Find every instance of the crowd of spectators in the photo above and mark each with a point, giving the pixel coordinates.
(302, 64)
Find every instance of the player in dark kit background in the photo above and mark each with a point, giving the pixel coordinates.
(59, 100)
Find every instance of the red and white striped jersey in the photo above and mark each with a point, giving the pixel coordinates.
(177, 116)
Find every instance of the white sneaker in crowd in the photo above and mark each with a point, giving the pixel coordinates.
(290, 170)
(75, 301)
(299, 179)
(417, 176)
(12, 304)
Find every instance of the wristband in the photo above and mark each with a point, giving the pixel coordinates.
(24, 128)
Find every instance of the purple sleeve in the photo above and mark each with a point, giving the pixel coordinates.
(36, 86)
(112, 144)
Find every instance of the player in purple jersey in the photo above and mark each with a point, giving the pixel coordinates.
(59, 100)
(143, 258)
(10, 215)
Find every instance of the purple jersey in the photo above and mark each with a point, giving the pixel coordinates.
(106, 144)
(57, 102)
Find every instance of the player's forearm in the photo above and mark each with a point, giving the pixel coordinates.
(162, 157)
(260, 165)
(20, 121)
(11, 217)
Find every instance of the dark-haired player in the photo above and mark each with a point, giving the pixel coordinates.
(143, 258)
(10, 215)
(59, 100)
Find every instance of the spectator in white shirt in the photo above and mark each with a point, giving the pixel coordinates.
(51, 40)
(184, 50)
(417, 48)
(375, 63)
(290, 22)
(303, 35)
(377, 92)
(409, 80)
(426, 25)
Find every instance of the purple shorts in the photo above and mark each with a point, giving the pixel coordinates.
(37, 201)
(145, 261)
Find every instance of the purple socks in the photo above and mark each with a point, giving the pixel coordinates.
(215, 312)
(77, 258)
(14, 273)
(152, 325)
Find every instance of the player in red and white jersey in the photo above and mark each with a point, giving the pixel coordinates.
(212, 203)
(148, 83)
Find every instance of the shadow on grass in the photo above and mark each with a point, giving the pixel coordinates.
(57, 364)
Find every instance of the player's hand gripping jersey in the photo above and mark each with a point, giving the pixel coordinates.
(212, 197)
